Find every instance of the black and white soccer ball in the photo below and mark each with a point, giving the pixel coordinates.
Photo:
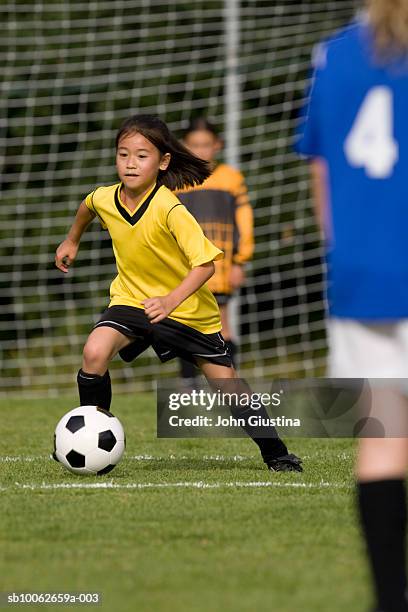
(89, 440)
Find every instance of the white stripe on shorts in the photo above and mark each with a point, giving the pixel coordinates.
(214, 355)
(114, 323)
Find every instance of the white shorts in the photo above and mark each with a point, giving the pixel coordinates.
(361, 350)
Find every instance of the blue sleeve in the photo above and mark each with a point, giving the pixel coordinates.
(308, 133)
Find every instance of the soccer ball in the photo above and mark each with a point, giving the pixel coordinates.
(89, 440)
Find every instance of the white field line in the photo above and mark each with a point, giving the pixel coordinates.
(178, 485)
(236, 458)
(28, 458)
(18, 458)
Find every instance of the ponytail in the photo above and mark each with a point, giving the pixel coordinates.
(389, 20)
(184, 169)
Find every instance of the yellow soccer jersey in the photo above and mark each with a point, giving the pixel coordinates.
(155, 247)
(222, 208)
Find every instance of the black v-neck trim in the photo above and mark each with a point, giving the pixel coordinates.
(133, 219)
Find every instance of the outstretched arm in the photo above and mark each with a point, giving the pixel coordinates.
(68, 249)
(158, 308)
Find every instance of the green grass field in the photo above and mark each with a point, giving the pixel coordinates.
(189, 525)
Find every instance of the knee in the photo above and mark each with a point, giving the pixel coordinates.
(95, 358)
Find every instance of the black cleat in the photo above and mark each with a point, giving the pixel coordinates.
(285, 463)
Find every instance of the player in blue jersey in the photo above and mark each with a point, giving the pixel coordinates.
(355, 131)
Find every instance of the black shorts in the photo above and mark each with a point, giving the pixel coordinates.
(168, 338)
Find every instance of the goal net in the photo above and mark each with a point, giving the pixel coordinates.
(72, 71)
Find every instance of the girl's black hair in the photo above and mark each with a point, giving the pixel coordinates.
(201, 124)
(185, 169)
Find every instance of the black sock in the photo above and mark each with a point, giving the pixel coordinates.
(233, 350)
(188, 369)
(272, 446)
(94, 390)
(383, 512)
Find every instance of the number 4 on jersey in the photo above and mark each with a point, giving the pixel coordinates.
(370, 143)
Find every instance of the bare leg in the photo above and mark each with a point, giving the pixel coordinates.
(213, 371)
(387, 457)
(101, 347)
(381, 471)
(273, 450)
(382, 458)
(93, 379)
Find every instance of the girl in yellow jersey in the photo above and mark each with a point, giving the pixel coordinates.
(159, 297)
